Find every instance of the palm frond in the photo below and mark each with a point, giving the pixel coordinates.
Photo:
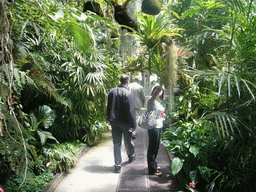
(225, 81)
(226, 124)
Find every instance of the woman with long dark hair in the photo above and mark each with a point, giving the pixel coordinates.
(154, 134)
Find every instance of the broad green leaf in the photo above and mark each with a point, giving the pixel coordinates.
(47, 116)
(166, 143)
(44, 135)
(177, 165)
(194, 150)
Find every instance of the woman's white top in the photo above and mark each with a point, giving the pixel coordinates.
(153, 104)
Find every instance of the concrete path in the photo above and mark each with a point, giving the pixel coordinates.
(94, 171)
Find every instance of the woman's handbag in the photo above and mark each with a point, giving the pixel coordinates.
(148, 120)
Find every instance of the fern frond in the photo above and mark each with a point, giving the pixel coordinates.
(13, 145)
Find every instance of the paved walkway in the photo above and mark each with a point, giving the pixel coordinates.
(94, 171)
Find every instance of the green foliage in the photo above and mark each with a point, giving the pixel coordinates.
(32, 184)
(177, 165)
(196, 16)
(95, 132)
(211, 124)
(62, 55)
(58, 77)
(66, 60)
(208, 140)
(194, 154)
(42, 119)
(14, 146)
(153, 28)
(154, 34)
(61, 156)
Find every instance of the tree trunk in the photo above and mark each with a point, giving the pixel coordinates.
(170, 77)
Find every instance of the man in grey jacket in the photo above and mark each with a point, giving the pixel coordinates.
(122, 118)
(138, 92)
(139, 96)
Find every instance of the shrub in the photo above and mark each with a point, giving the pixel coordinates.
(33, 183)
(61, 156)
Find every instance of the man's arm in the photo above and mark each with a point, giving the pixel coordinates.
(132, 112)
(109, 104)
(142, 96)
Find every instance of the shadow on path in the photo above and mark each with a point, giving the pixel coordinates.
(99, 169)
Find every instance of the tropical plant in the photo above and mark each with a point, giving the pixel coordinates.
(59, 57)
(61, 157)
(51, 39)
(195, 16)
(153, 31)
(215, 107)
(16, 153)
(42, 119)
(156, 34)
(206, 118)
(96, 132)
(33, 183)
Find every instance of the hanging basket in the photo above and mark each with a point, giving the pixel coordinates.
(151, 7)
